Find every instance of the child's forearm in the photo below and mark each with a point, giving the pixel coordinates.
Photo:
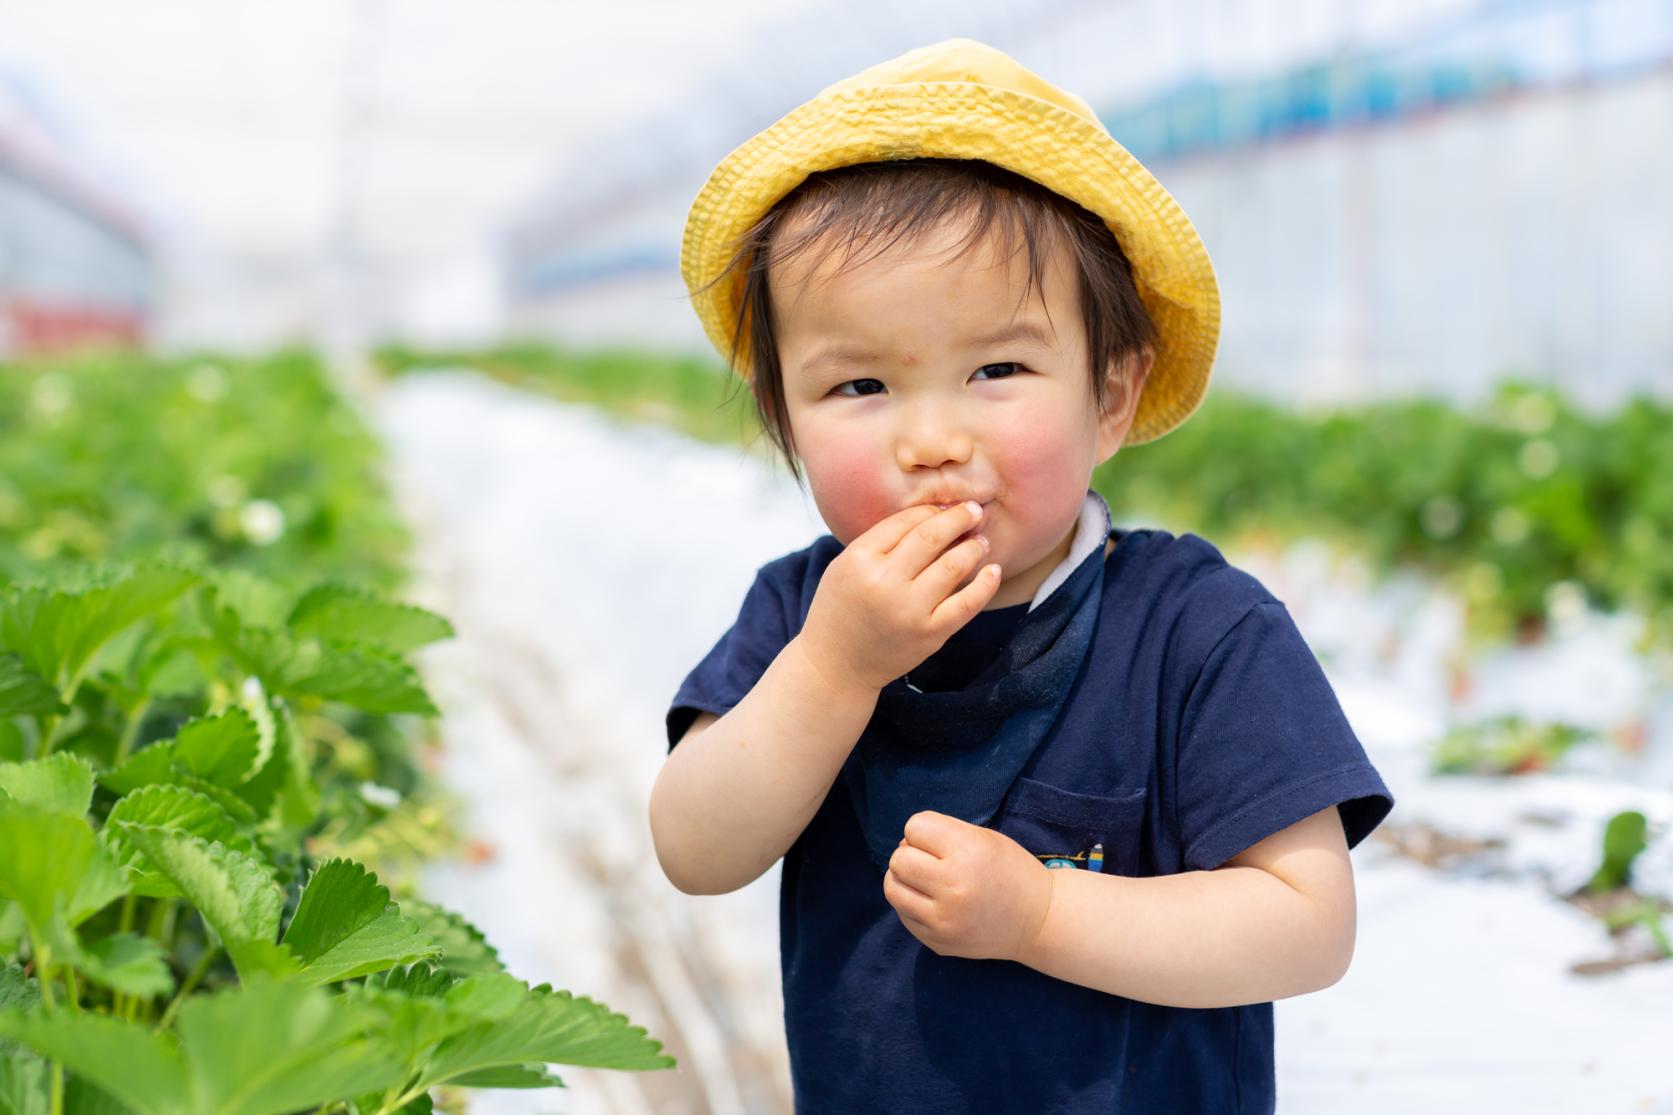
(1198, 939)
(730, 800)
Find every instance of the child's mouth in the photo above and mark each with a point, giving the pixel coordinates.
(973, 531)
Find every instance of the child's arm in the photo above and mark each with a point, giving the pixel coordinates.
(1275, 921)
(737, 790)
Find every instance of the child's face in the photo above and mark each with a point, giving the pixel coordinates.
(900, 391)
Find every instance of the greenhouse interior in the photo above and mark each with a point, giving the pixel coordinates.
(381, 499)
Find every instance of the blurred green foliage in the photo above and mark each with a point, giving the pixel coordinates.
(254, 464)
(1504, 745)
(1527, 506)
(1524, 506)
(686, 393)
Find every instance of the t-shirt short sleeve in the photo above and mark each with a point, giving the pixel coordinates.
(1263, 743)
(735, 663)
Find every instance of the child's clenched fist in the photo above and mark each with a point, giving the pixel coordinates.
(965, 890)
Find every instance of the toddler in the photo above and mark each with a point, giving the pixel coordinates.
(1062, 808)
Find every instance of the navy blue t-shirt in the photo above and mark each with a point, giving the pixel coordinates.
(1199, 725)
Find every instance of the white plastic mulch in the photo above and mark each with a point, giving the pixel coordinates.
(588, 564)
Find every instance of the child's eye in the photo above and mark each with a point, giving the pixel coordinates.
(838, 389)
(1008, 366)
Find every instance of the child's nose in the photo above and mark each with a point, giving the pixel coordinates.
(932, 438)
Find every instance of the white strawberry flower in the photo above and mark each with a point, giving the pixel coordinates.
(262, 521)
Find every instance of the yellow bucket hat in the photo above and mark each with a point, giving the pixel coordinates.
(961, 99)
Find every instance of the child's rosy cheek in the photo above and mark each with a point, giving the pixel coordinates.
(1044, 487)
(850, 492)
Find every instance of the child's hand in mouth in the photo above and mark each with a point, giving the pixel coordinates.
(895, 594)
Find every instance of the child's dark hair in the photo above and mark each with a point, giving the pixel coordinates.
(878, 204)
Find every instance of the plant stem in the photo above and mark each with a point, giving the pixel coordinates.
(162, 920)
(49, 726)
(118, 1001)
(130, 731)
(53, 722)
(43, 976)
(404, 1097)
(197, 973)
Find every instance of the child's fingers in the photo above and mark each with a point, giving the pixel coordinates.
(946, 572)
(915, 867)
(886, 534)
(915, 926)
(928, 539)
(906, 898)
(961, 607)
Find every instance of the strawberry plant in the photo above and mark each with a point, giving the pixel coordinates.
(237, 463)
(1624, 838)
(171, 939)
(121, 456)
(1507, 744)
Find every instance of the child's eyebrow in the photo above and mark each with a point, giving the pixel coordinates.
(1016, 331)
(1027, 331)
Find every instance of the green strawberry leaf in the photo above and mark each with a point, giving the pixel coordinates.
(412, 1025)
(233, 891)
(17, 990)
(269, 1048)
(299, 795)
(236, 807)
(354, 614)
(149, 765)
(464, 949)
(12, 929)
(345, 926)
(126, 962)
(174, 667)
(24, 692)
(545, 1027)
(257, 600)
(359, 674)
(61, 783)
(221, 749)
(142, 1069)
(81, 1097)
(255, 701)
(487, 998)
(54, 863)
(23, 1082)
(57, 633)
(169, 807)
(260, 652)
(509, 1076)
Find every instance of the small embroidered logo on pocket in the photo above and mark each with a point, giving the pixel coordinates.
(1092, 859)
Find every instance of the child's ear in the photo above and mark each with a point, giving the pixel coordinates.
(1124, 384)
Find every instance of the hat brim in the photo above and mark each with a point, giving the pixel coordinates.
(1053, 146)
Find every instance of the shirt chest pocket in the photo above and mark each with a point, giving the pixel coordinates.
(1062, 828)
